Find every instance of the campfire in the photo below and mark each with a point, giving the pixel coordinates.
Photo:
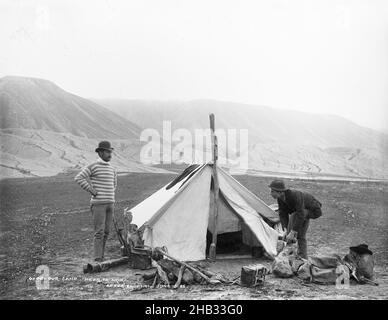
(173, 273)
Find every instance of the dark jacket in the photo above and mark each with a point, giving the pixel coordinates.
(300, 203)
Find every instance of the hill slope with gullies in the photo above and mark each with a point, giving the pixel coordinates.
(45, 130)
(30, 103)
(280, 141)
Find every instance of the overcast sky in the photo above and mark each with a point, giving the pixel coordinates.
(317, 56)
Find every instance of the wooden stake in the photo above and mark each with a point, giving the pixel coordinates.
(155, 282)
(162, 275)
(180, 275)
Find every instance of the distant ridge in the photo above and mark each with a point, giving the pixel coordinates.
(45, 130)
(284, 141)
(31, 103)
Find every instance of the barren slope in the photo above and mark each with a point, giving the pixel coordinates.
(285, 141)
(45, 130)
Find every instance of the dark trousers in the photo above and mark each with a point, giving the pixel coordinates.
(302, 231)
(102, 220)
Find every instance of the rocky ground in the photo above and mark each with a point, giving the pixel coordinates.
(46, 221)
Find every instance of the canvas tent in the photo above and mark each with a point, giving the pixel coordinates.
(179, 215)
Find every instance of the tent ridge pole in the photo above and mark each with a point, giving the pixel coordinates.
(213, 246)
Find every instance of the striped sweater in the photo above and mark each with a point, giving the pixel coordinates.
(101, 178)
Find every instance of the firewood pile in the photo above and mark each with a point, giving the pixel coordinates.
(173, 273)
(170, 271)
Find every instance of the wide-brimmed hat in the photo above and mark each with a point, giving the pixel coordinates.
(361, 249)
(278, 185)
(104, 145)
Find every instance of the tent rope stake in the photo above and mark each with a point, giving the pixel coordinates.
(216, 187)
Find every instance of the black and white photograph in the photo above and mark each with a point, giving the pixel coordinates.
(183, 150)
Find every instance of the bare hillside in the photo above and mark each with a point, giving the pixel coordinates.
(30, 103)
(290, 142)
(45, 130)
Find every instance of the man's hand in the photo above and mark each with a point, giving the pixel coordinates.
(291, 237)
(94, 193)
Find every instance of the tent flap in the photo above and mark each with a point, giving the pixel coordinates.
(262, 231)
(182, 227)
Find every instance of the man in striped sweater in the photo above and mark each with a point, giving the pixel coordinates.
(100, 179)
